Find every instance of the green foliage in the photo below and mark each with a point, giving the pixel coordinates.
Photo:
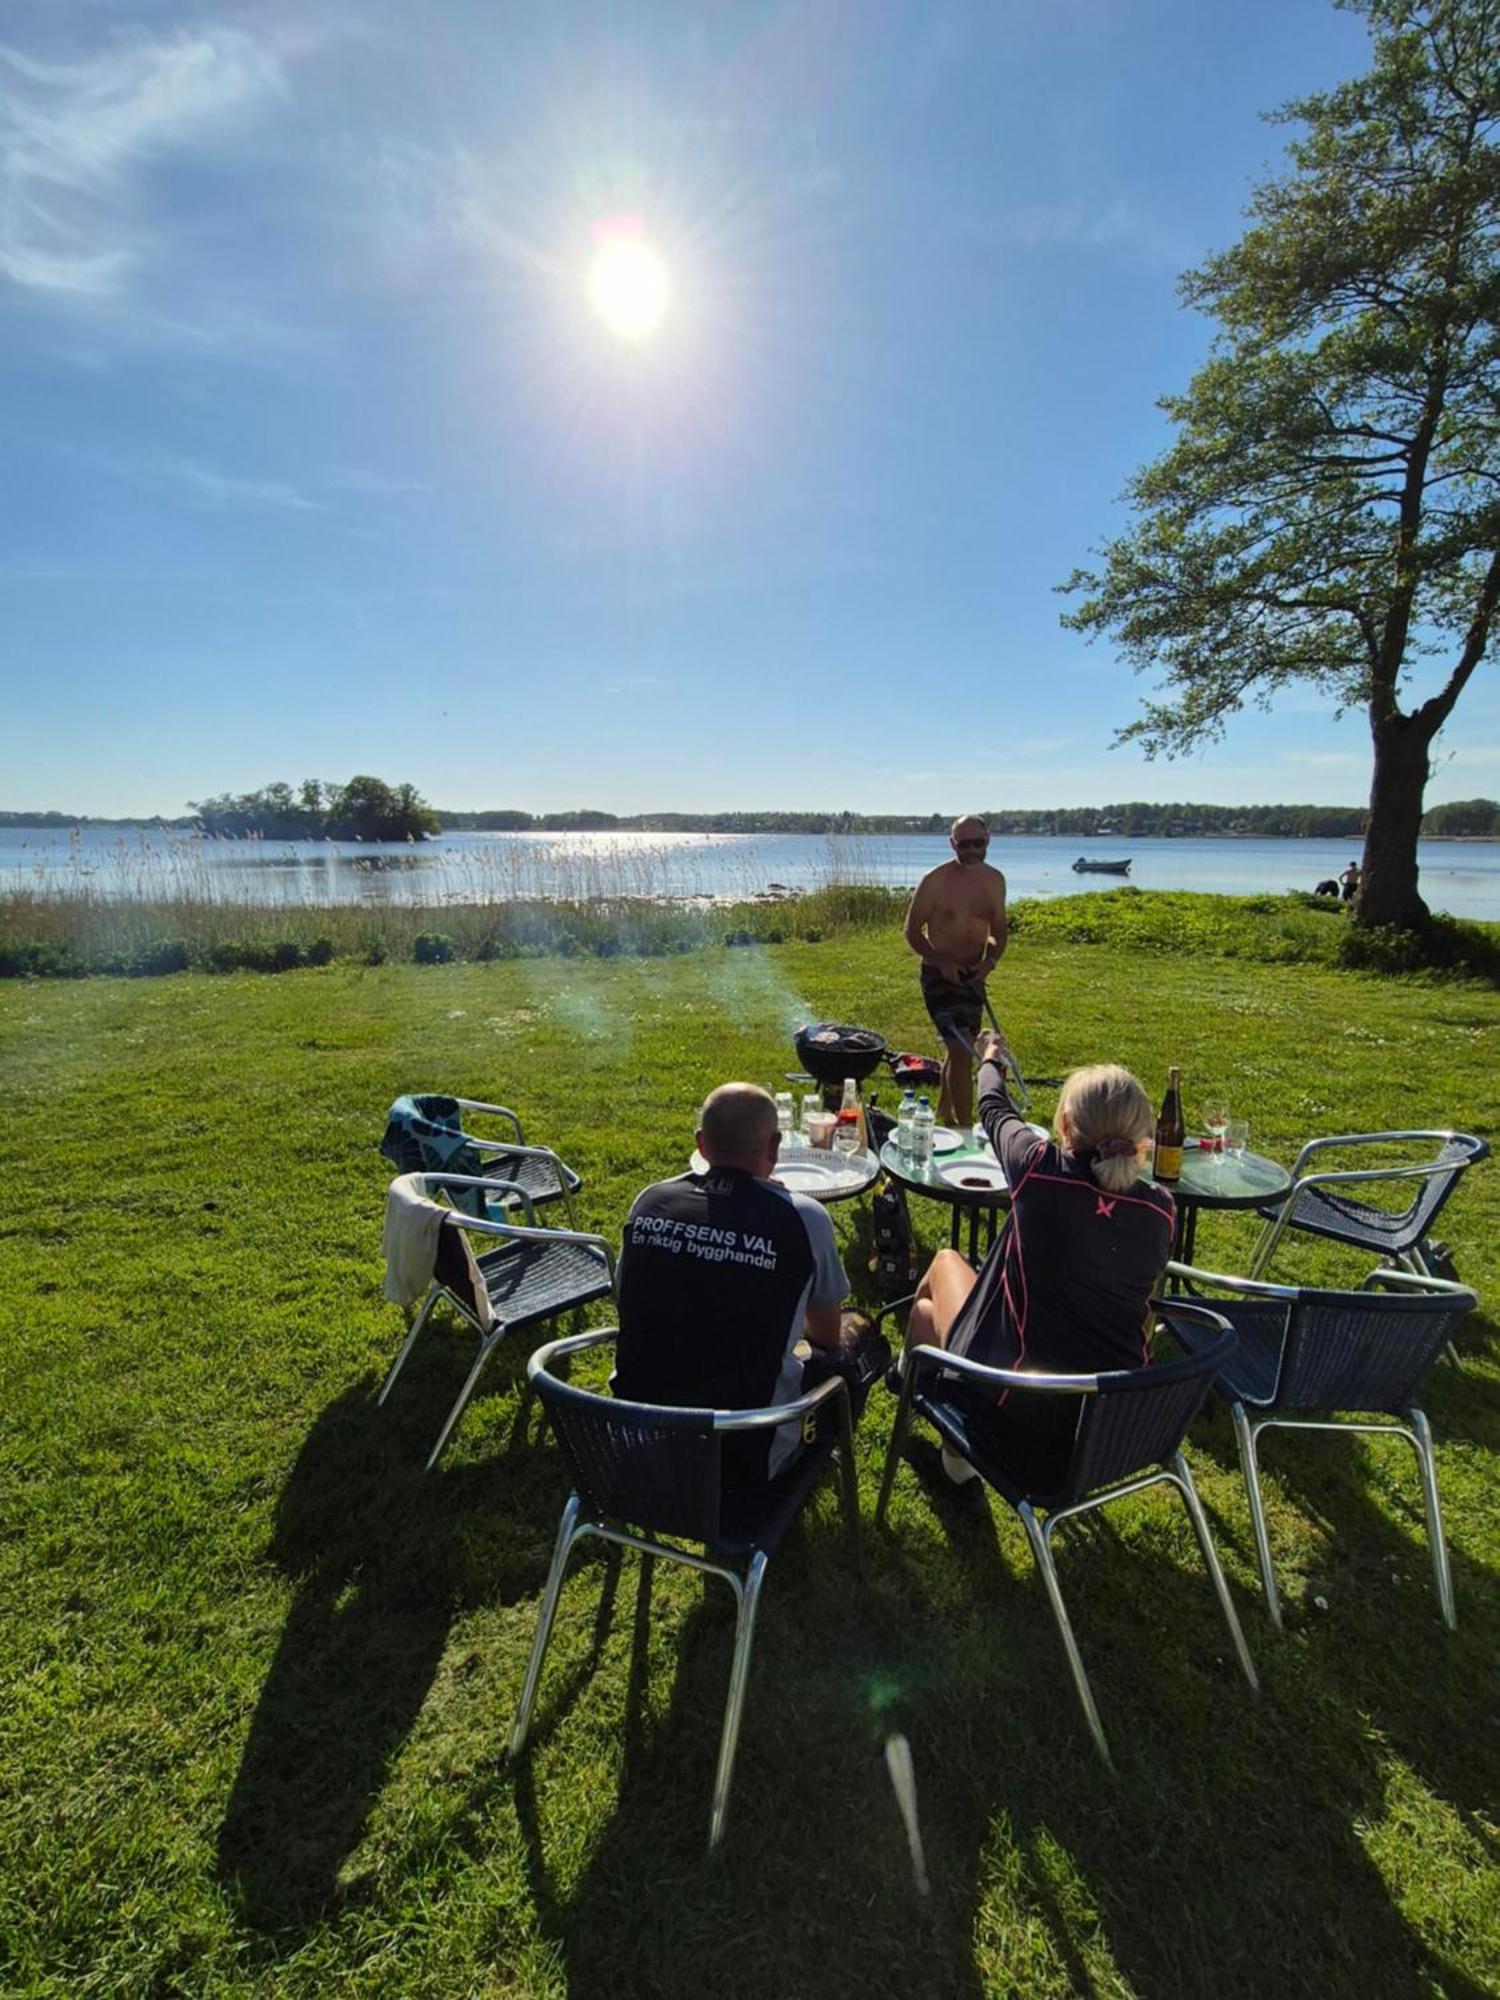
(364, 809)
(432, 948)
(1327, 512)
(259, 1666)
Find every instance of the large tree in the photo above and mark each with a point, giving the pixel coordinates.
(1330, 509)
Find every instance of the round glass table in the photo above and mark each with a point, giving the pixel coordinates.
(826, 1175)
(968, 1178)
(1219, 1180)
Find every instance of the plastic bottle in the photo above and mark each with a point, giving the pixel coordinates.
(846, 1132)
(904, 1118)
(921, 1134)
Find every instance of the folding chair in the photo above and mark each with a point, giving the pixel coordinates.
(1129, 1435)
(530, 1275)
(1353, 1353)
(1319, 1204)
(426, 1133)
(642, 1472)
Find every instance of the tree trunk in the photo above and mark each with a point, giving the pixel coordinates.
(1388, 891)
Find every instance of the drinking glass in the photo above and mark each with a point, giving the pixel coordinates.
(786, 1112)
(846, 1138)
(1239, 1137)
(1216, 1124)
(812, 1105)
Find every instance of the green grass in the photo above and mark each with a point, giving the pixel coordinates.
(259, 1670)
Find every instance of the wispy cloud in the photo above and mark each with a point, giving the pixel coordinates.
(213, 488)
(1327, 760)
(77, 139)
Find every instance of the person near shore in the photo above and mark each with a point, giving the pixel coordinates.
(722, 1274)
(1349, 882)
(1067, 1288)
(956, 926)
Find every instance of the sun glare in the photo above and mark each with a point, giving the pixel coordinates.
(628, 286)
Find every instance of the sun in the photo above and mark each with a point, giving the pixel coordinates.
(628, 286)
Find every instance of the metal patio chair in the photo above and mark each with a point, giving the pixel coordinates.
(1318, 1201)
(427, 1132)
(1129, 1435)
(642, 1472)
(1305, 1357)
(529, 1275)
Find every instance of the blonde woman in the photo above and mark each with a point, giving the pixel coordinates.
(1066, 1288)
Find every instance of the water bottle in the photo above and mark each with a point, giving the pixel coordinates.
(904, 1118)
(921, 1135)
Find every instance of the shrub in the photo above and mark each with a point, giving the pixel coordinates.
(284, 956)
(320, 951)
(171, 955)
(432, 948)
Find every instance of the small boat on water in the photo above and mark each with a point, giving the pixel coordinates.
(1084, 867)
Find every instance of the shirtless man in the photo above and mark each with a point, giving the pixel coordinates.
(956, 926)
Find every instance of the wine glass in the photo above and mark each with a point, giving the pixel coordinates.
(1216, 1124)
(1239, 1137)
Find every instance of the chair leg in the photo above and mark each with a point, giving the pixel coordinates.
(1212, 1564)
(744, 1637)
(411, 1340)
(548, 1612)
(1244, 1437)
(849, 1481)
(899, 1431)
(1037, 1536)
(487, 1347)
(1442, 1575)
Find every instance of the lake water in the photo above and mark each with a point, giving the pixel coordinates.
(1459, 877)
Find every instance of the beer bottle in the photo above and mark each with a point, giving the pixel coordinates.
(1170, 1131)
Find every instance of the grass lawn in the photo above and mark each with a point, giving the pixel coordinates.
(259, 1669)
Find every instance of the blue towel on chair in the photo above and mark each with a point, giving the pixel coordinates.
(423, 1136)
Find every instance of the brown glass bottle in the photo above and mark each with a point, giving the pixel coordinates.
(1170, 1131)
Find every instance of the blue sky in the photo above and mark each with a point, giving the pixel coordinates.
(319, 459)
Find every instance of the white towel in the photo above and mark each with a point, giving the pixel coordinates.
(410, 1238)
(416, 1250)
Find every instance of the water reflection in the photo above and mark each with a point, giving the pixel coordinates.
(109, 865)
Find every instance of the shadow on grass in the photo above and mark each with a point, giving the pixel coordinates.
(382, 1556)
(1228, 1855)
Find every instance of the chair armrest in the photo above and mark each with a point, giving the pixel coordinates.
(1363, 1139)
(780, 1413)
(1252, 1288)
(516, 1232)
(513, 1147)
(1000, 1378)
(572, 1343)
(490, 1111)
(441, 1180)
(1414, 1281)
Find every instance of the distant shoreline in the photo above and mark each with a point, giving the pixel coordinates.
(64, 823)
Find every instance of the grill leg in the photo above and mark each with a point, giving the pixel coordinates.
(1215, 1570)
(1442, 1576)
(411, 1340)
(1244, 1437)
(739, 1674)
(486, 1348)
(1040, 1548)
(564, 1548)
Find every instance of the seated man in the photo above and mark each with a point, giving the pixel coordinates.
(721, 1274)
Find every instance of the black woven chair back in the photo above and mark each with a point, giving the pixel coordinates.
(1458, 1153)
(655, 1469)
(1364, 1350)
(1139, 1417)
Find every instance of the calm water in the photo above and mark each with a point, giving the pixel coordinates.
(1462, 878)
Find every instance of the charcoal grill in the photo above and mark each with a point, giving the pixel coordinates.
(831, 1050)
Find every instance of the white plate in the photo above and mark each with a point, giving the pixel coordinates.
(946, 1140)
(982, 1176)
(805, 1175)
